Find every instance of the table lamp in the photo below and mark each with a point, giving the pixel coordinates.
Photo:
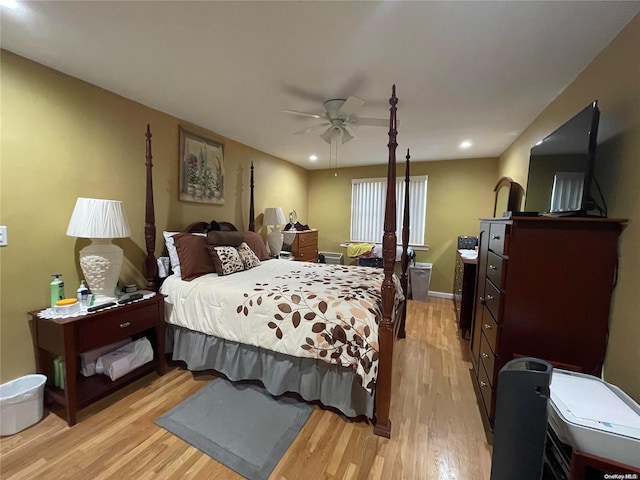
(100, 220)
(274, 216)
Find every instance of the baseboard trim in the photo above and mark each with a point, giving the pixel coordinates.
(440, 294)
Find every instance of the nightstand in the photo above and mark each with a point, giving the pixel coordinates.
(304, 244)
(71, 336)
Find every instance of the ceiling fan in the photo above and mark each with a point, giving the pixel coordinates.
(340, 117)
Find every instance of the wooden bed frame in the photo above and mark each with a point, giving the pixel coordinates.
(388, 329)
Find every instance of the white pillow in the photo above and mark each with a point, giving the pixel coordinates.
(171, 250)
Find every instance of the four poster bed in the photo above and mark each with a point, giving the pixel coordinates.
(325, 332)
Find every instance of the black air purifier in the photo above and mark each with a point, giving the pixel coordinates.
(520, 424)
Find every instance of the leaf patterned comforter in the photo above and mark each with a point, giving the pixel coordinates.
(329, 312)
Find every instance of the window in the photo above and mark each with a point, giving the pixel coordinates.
(367, 209)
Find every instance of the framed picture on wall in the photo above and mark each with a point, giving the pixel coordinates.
(201, 169)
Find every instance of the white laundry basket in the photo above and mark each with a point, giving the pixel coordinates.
(419, 280)
(21, 403)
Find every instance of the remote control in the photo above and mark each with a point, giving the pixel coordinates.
(130, 298)
(101, 306)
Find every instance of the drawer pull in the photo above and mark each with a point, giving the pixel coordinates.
(484, 355)
(483, 384)
(489, 298)
(125, 324)
(487, 326)
(481, 299)
(492, 267)
(495, 237)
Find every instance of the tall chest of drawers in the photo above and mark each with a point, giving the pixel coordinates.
(543, 290)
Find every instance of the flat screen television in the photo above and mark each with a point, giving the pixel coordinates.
(561, 167)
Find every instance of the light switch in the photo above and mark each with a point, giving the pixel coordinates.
(3, 236)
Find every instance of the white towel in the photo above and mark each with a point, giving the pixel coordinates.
(125, 359)
(88, 359)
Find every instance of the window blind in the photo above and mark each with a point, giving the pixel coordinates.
(368, 197)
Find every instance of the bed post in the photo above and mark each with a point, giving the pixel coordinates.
(404, 279)
(385, 329)
(150, 264)
(252, 220)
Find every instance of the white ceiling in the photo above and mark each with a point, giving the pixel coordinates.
(478, 71)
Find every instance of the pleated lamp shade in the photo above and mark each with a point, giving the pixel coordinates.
(97, 218)
(274, 216)
(101, 261)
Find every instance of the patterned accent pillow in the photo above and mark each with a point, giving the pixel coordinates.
(226, 259)
(249, 259)
(256, 243)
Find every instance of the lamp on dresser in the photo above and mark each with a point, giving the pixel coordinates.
(274, 216)
(101, 221)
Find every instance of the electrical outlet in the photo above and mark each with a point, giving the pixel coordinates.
(3, 236)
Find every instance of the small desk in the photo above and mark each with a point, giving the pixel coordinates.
(69, 337)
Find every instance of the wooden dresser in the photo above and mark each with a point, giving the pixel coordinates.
(464, 282)
(304, 245)
(543, 290)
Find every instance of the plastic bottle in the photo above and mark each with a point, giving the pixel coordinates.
(83, 295)
(57, 289)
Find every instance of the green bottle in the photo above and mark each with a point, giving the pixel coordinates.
(57, 289)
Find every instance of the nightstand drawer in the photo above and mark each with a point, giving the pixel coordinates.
(307, 238)
(103, 330)
(308, 254)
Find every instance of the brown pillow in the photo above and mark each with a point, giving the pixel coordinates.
(226, 259)
(255, 242)
(195, 260)
(220, 238)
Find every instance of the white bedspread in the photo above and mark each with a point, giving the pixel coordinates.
(330, 312)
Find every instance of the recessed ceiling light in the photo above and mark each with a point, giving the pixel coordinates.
(9, 4)
(313, 158)
(465, 144)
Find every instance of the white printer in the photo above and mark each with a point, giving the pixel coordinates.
(594, 417)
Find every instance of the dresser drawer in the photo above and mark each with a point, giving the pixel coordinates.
(103, 330)
(490, 329)
(498, 238)
(487, 359)
(307, 254)
(493, 301)
(496, 269)
(486, 390)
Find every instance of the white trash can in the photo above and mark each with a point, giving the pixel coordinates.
(419, 280)
(21, 403)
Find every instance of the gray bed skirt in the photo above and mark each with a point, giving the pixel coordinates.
(314, 380)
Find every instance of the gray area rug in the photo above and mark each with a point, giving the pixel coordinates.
(239, 425)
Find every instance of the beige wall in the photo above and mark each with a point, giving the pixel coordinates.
(63, 138)
(613, 78)
(459, 192)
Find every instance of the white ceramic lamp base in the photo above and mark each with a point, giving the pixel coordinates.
(274, 239)
(101, 263)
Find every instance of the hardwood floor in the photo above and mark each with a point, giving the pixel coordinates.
(437, 431)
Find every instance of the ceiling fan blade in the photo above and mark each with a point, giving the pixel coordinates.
(371, 122)
(304, 114)
(349, 134)
(311, 129)
(350, 106)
